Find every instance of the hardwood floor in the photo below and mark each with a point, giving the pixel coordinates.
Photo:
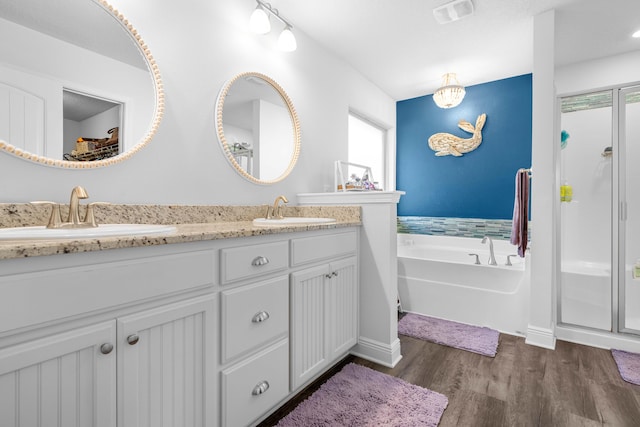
(523, 385)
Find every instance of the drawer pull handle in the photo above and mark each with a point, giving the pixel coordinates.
(133, 339)
(261, 260)
(106, 348)
(330, 275)
(260, 317)
(262, 387)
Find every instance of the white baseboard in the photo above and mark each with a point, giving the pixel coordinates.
(384, 354)
(541, 337)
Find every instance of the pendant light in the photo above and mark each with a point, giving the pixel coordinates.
(451, 93)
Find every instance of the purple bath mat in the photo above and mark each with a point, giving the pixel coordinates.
(453, 334)
(359, 396)
(628, 365)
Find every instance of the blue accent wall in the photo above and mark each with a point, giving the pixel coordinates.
(480, 184)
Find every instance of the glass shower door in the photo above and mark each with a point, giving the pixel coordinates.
(586, 177)
(629, 210)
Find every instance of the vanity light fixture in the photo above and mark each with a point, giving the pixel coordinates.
(451, 93)
(259, 24)
(259, 21)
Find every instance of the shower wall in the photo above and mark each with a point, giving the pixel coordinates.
(586, 219)
(586, 238)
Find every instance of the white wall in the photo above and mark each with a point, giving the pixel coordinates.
(198, 46)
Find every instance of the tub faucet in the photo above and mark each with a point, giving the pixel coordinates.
(492, 257)
(74, 204)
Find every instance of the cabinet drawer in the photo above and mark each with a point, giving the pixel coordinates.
(318, 248)
(250, 261)
(254, 315)
(65, 292)
(243, 398)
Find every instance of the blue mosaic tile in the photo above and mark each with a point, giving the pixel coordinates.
(459, 227)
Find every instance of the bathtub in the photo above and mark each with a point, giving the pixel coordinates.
(437, 277)
(585, 294)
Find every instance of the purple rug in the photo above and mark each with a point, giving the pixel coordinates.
(628, 365)
(359, 396)
(453, 334)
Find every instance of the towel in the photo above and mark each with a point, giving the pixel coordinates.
(520, 224)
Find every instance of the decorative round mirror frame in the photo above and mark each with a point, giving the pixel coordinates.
(225, 145)
(157, 117)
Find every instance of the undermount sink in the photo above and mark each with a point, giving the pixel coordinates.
(270, 222)
(102, 230)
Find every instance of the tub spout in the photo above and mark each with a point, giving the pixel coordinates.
(492, 256)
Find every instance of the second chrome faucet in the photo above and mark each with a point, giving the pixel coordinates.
(492, 256)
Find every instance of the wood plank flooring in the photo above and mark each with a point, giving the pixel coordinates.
(523, 385)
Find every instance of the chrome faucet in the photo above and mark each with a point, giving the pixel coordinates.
(492, 257)
(276, 211)
(74, 205)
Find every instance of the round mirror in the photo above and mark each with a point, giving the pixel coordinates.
(78, 86)
(258, 128)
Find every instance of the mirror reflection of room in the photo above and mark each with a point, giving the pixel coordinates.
(71, 80)
(91, 127)
(258, 128)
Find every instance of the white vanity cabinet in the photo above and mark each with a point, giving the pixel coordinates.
(142, 362)
(201, 334)
(153, 361)
(324, 304)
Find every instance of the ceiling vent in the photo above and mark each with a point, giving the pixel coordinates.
(453, 11)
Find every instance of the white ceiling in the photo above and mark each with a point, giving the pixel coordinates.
(398, 45)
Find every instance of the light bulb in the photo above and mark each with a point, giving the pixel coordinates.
(636, 35)
(287, 41)
(259, 22)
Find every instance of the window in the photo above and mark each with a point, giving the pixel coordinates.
(366, 146)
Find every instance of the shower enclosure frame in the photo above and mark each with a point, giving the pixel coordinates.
(618, 213)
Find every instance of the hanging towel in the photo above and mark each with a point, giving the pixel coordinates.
(520, 224)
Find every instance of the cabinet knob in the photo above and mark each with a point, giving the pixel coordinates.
(260, 388)
(260, 317)
(328, 276)
(133, 339)
(106, 348)
(260, 260)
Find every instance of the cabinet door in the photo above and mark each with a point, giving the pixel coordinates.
(63, 380)
(166, 365)
(342, 306)
(308, 324)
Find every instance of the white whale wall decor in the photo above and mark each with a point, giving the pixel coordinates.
(445, 144)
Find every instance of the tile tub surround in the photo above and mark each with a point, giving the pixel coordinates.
(458, 227)
(193, 223)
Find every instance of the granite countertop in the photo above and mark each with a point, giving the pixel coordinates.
(193, 223)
